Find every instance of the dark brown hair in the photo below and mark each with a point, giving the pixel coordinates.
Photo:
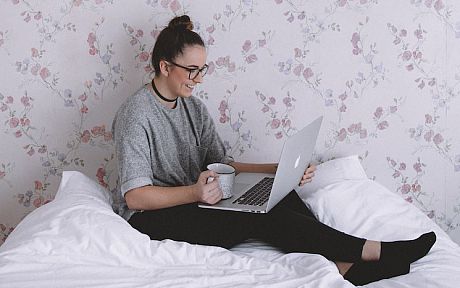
(173, 39)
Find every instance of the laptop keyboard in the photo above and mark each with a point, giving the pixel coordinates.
(258, 194)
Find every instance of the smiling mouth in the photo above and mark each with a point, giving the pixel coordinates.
(190, 86)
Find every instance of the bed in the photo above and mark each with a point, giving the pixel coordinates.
(78, 241)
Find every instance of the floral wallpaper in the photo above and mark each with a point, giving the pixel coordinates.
(384, 73)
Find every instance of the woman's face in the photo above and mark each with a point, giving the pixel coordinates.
(179, 83)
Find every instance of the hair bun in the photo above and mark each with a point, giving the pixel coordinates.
(181, 22)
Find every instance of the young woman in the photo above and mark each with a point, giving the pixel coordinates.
(165, 138)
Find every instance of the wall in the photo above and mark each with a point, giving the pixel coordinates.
(385, 74)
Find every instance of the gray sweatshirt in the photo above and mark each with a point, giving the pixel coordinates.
(159, 146)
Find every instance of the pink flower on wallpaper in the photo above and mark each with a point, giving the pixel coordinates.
(355, 38)
(25, 101)
(133, 42)
(417, 167)
(405, 188)
(84, 109)
(175, 6)
(251, 58)
(271, 100)
(232, 67)
(211, 68)
(44, 73)
(210, 41)
(2, 174)
(98, 130)
(298, 70)
(428, 135)
(15, 2)
(265, 109)
(383, 125)
(307, 73)
(428, 119)
(419, 33)
(247, 46)
(342, 3)
(363, 134)
(262, 43)
(402, 166)
(85, 137)
(275, 123)
(34, 70)
(224, 119)
(38, 16)
(210, 29)
(9, 100)
(354, 128)
(223, 106)
(108, 136)
(42, 149)
(77, 3)
(342, 135)
(34, 52)
(91, 39)
(4, 107)
(287, 101)
(31, 151)
(25, 122)
(297, 53)
(38, 202)
(18, 134)
(438, 139)
(278, 1)
(100, 174)
(14, 122)
(406, 55)
(83, 97)
(286, 123)
(438, 5)
(279, 135)
(38, 185)
(144, 56)
(410, 67)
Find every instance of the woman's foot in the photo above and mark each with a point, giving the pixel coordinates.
(407, 251)
(365, 272)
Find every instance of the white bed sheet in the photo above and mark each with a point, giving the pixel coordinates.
(77, 241)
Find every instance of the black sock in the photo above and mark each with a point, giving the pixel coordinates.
(364, 272)
(407, 251)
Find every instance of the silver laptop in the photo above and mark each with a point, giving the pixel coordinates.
(259, 193)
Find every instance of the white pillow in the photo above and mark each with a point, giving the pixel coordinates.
(333, 171)
(76, 183)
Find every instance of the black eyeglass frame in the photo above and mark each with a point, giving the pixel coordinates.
(193, 70)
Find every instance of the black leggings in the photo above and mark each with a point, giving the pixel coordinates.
(290, 226)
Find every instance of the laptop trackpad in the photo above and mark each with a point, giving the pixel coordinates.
(238, 187)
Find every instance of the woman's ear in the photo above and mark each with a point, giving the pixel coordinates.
(164, 68)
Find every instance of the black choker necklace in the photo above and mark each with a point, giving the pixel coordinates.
(161, 96)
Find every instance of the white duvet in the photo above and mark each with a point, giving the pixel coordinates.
(77, 241)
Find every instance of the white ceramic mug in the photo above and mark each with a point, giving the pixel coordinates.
(226, 178)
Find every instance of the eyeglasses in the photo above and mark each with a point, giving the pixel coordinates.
(193, 70)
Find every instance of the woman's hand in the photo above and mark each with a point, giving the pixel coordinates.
(308, 174)
(209, 193)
